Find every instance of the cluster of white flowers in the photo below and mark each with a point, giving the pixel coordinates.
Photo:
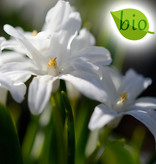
(61, 51)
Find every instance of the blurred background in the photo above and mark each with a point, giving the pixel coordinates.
(139, 55)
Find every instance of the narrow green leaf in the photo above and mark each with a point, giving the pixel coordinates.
(58, 126)
(10, 152)
(69, 129)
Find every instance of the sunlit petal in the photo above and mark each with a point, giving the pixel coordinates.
(87, 84)
(39, 93)
(17, 90)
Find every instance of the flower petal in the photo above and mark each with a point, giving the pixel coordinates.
(114, 75)
(148, 118)
(18, 76)
(39, 93)
(17, 90)
(101, 116)
(84, 66)
(58, 47)
(111, 80)
(25, 66)
(32, 52)
(71, 28)
(62, 18)
(84, 39)
(144, 103)
(133, 84)
(8, 57)
(12, 44)
(96, 55)
(87, 84)
(58, 16)
(40, 41)
(72, 92)
(2, 40)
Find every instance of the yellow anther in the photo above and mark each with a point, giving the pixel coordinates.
(34, 33)
(123, 97)
(52, 62)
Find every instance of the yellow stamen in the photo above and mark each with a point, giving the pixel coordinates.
(123, 97)
(52, 62)
(34, 33)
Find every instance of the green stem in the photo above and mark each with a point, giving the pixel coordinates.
(69, 130)
(150, 32)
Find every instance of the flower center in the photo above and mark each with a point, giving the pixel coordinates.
(123, 97)
(120, 102)
(52, 62)
(34, 33)
(52, 67)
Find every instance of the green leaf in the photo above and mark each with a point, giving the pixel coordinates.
(69, 129)
(58, 125)
(131, 23)
(9, 143)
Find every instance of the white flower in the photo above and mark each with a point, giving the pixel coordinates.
(122, 92)
(58, 52)
(14, 81)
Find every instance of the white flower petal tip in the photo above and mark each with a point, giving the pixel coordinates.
(101, 116)
(60, 5)
(17, 89)
(11, 31)
(108, 57)
(132, 74)
(18, 92)
(39, 93)
(65, 16)
(147, 83)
